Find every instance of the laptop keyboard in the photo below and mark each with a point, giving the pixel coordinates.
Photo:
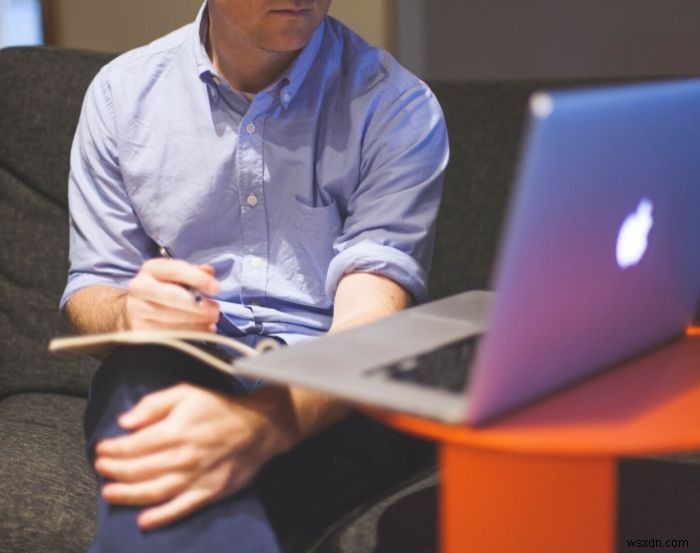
(446, 368)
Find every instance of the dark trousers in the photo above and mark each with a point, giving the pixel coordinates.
(295, 496)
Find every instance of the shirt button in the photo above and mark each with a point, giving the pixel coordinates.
(255, 262)
(286, 96)
(213, 92)
(252, 200)
(250, 128)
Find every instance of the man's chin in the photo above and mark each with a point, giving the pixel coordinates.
(287, 40)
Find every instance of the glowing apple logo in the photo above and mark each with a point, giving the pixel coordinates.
(632, 238)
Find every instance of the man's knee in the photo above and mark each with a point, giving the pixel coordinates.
(143, 365)
(149, 368)
(130, 373)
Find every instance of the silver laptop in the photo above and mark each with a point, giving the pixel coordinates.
(599, 261)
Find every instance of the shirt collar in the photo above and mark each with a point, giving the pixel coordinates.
(296, 73)
(289, 82)
(205, 68)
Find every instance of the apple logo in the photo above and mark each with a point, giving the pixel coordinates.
(633, 235)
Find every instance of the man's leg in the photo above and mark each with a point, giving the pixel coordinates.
(237, 523)
(332, 474)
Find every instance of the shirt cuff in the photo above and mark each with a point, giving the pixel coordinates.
(370, 257)
(78, 281)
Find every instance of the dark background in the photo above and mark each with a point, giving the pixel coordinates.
(503, 39)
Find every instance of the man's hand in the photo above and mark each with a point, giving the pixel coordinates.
(190, 446)
(156, 298)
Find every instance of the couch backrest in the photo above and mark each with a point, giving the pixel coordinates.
(41, 92)
(484, 122)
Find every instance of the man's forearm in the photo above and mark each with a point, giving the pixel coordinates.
(97, 309)
(361, 299)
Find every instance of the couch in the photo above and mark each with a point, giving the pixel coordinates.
(46, 488)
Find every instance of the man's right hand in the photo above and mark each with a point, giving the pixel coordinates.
(157, 300)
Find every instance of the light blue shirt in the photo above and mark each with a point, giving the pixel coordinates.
(334, 168)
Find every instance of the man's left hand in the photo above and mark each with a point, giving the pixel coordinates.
(190, 446)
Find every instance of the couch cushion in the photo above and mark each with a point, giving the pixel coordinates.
(48, 493)
(405, 520)
(33, 265)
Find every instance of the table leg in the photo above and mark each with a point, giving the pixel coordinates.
(500, 502)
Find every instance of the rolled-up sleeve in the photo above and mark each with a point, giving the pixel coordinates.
(107, 242)
(391, 215)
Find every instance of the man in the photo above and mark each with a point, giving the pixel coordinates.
(295, 172)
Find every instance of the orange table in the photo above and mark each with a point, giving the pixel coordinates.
(545, 478)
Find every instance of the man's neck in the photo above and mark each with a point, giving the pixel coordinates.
(246, 68)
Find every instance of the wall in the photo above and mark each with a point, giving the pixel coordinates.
(495, 39)
(116, 26)
(372, 19)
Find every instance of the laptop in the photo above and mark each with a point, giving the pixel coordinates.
(599, 261)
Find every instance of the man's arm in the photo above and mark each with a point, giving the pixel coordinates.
(360, 299)
(97, 309)
(189, 447)
(365, 297)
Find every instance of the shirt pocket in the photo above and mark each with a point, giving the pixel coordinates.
(315, 230)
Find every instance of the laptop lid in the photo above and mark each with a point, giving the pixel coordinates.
(601, 256)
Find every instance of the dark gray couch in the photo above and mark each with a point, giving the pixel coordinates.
(46, 489)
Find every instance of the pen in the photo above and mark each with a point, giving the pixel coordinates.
(196, 294)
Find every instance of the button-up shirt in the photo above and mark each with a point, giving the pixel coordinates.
(336, 167)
